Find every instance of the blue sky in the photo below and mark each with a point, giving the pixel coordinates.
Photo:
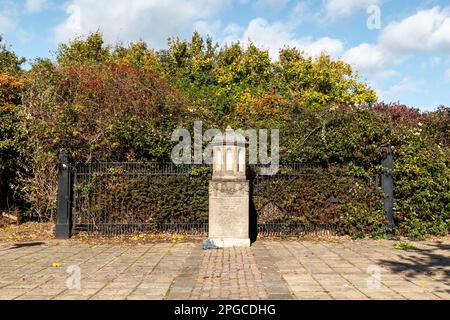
(401, 48)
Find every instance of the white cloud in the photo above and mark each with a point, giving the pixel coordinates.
(367, 57)
(427, 30)
(344, 8)
(151, 20)
(374, 62)
(35, 6)
(210, 28)
(270, 36)
(323, 45)
(155, 21)
(277, 35)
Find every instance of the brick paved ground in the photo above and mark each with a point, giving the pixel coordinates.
(229, 274)
(268, 270)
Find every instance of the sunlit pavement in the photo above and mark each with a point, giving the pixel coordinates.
(267, 270)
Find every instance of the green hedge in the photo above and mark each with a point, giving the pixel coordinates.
(289, 198)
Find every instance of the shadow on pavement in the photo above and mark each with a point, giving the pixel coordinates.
(425, 261)
(26, 244)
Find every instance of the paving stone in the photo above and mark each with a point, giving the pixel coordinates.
(420, 296)
(37, 297)
(345, 295)
(108, 297)
(118, 292)
(71, 297)
(280, 296)
(312, 288)
(307, 295)
(45, 292)
(151, 291)
(443, 295)
(144, 297)
(267, 270)
(383, 295)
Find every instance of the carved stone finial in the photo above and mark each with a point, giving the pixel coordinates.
(229, 156)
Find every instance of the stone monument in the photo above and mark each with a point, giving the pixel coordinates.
(229, 193)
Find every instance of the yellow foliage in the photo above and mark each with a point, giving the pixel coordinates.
(10, 86)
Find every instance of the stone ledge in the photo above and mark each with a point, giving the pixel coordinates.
(230, 242)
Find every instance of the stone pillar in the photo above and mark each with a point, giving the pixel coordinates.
(229, 193)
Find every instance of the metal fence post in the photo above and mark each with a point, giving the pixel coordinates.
(387, 183)
(64, 213)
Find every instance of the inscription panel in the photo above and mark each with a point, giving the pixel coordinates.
(229, 210)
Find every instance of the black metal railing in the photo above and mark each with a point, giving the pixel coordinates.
(116, 198)
(113, 198)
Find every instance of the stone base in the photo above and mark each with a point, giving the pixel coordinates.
(230, 242)
(229, 213)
